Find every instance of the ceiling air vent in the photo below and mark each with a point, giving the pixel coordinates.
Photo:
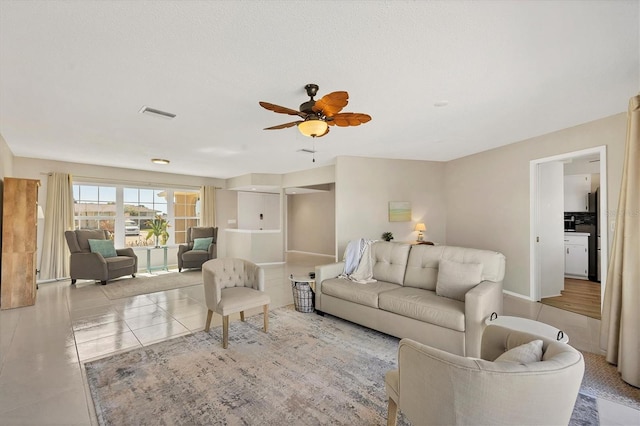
(308, 151)
(156, 112)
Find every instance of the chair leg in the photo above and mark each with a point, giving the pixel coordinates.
(225, 331)
(266, 317)
(208, 323)
(392, 413)
(73, 281)
(241, 315)
(103, 282)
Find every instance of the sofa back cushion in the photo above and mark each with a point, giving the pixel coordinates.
(389, 261)
(84, 235)
(422, 265)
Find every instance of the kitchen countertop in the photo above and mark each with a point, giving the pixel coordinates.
(585, 234)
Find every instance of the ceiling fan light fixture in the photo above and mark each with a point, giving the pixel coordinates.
(313, 127)
(159, 161)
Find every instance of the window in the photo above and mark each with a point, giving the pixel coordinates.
(95, 207)
(125, 211)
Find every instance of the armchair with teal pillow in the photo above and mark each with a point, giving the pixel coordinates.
(201, 246)
(94, 257)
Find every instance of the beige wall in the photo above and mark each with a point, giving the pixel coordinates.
(364, 187)
(311, 222)
(487, 194)
(6, 159)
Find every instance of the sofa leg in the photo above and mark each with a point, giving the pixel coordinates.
(179, 269)
(133, 275)
(208, 323)
(225, 331)
(103, 282)
(392, 413)
(73, 281)
(320, 313)
(242, 316)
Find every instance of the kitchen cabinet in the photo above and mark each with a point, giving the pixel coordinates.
(576, 193)
(576, 255)
(19, 239)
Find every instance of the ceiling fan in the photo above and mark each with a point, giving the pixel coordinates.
(318, 115)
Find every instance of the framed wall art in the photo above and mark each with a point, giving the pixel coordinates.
(399, 211)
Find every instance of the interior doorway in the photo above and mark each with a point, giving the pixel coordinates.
(554, 280)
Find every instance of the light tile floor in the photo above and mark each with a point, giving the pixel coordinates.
(43, 347)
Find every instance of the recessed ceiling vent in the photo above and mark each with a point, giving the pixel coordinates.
(156, 112)
(308, 151)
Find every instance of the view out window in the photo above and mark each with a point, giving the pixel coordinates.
(125, 211)
(95, 207)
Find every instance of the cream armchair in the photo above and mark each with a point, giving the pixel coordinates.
(433, 387)
(231, 286)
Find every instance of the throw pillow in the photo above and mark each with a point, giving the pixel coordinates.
(523, 354)
(455, 278)
(202, 243)
(104, 247)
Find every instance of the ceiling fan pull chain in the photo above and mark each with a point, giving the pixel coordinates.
(314, 149)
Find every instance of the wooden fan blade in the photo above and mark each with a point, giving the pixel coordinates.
(283, 126)
(332, 103)
(346, 119)
(281, 109)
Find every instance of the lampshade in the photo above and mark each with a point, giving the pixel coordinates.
(313, 128)
(420, 227)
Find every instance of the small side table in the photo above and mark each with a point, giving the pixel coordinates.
(528, 326)
(164, 264)
(303, 288)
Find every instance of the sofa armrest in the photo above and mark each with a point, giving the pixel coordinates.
(88, 266)
(326, 272)
(479, 303)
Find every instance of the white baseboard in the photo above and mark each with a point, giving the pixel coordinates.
(311, 253)
(521, 296)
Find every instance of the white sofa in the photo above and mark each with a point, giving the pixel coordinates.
(414, 298)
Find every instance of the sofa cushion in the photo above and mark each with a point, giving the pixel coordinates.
(523, 354)
(456, 278)
(423, 261)
(389, 261)
(84, 235)
(103, 247)
(120, 262)
(362, 294)
(424, 305)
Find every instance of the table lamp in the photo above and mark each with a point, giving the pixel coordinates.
(420, 227)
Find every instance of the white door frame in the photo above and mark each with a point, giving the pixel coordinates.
(534, 203)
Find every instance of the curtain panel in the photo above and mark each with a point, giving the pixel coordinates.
(619, 333)
(58, 218)
(208, 206)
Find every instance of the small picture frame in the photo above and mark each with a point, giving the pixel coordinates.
(399, 211)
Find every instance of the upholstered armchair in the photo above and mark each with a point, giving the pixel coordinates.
(89, 265)
(191, 254)
(433, 387)
(230, 286)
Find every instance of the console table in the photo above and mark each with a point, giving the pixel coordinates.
(164, 263)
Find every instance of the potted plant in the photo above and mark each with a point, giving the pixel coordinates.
(158, 229)
(387, 236)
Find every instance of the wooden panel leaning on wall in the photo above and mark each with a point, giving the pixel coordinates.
(19, 243)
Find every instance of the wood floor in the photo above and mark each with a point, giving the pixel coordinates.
(579, 296)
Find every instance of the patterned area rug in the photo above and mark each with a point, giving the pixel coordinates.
(160, 281)
(307, 370)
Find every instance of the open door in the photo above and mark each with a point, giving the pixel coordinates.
(550, 227)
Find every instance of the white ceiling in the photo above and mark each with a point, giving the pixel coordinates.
(74, 74)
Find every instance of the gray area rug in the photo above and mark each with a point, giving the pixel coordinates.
(128, 286)
(307, 370)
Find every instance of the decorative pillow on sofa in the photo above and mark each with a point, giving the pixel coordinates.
(455, 278)
(202, 243)
(104, 247)
(523, 354)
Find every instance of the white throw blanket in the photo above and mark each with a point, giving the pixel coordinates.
(358, 265)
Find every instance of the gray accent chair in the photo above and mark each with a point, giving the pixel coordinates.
(230, 286)
(189, 258)
(434, 387)
(92, 266)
